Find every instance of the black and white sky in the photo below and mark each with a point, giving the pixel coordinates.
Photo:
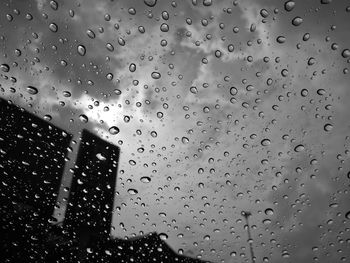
(217, 107)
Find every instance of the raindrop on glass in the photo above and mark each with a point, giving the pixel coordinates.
(81, 50)
(32, 90)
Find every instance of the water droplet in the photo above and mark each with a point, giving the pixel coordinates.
(165, 15)
(53, 27)
(321, 92)
(306, 37)
(325, 2)
(218, 53)
(289, 6)
(154, 134)
(328, 127)
(311, 61)
(206, 109)
(266, 221)
(90, 33)
(132, 191)
(145, 179)
(132, 67)
(109, 76)
(281, 39)
(132, 11)
(150, 3)
(117, 92)
(207, 2)
(126, 118)
(47, 117)
(32, 90)
(185, 140)
(206, 237)
(18, 52)
(54, 5)
(193, 90)
(155, 75)
(284, 72)
(164, 27)
(121, 41)
(265, 142)
(264, 13)
(163, 236)
(83, 118)
(304, 92)
(110, 47)
(269, 211)
(5, 67)
(113, 130)
(345, 53)
(299, 148)
(297, 21)
(101, 157)
(347, 215)
(67, 94)
(29, 16)
(9, 17)
(233, 91)
(81, 50)
(230, 48)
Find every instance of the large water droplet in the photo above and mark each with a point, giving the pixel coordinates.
(150, 3)
(154, 134)
(81, 50)
(281, 39)
(53, 27)
(114, 130)
(289, 6)
(185, 140)
(345, 53)
(132, 67)
(54, 5)
(132, 191)
(299, 148)
(90, 33)
(233, 91)
(163, 236)
(264, 13)
(5, 67)
(269, 211)
(347, 215)
(101, 157)
(83, 118)
(164, 27)
(145, 179)
(207, 2)
(155, 75)
(32, 90)
(297, 21)
(265, 142)
(328, 127)
(193, 90)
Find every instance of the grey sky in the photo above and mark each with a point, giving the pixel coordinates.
(208, 161)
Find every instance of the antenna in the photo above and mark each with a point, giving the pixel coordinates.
(246, 215)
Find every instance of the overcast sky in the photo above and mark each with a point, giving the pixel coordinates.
(221, 106)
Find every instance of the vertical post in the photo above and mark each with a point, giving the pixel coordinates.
(246, 214)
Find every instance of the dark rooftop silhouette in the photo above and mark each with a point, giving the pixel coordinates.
(32, 160)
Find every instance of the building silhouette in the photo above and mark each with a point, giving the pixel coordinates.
(32, 159)
(89, 211)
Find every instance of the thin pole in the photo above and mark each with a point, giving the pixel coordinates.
(246, 215)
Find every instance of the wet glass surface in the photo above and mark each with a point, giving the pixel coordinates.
(220, 127)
